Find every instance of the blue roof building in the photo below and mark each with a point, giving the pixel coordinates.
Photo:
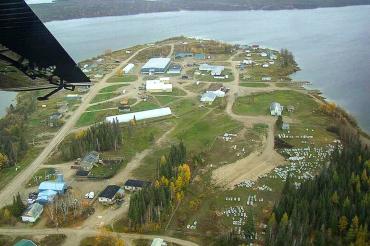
(49, 189)
(200, 56)
(156, 65)
(180, 55)
(25, 242)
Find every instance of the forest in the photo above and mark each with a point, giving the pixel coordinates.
(100, 137)
(148, 207)
(74, 9)
(13, 130)
(331, 209)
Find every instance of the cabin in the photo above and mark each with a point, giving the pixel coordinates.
(110, 194)
(135, 185)
(158, 242)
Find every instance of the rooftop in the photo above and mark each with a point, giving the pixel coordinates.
(136, 183)
(110, 191)
(140, 115)
(157, 63)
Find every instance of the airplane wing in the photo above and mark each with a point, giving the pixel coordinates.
(26, 44)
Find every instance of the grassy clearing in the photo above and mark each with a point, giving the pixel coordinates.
(41, 175)
(101, 106)
(164, 100)
(123, 78)
(104, 97)
(209, 78)
(100, 240)
(145, 55)
(254, 84)
(193, 87)
(112, 88)
(89, 118)
(142, 106)
(258, 104)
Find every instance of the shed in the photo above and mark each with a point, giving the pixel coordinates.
(142, 115)
(89, 160)
(110, 193)
(134, 184)
(25, 242)
(32, 213)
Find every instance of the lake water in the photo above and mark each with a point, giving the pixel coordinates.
(6, 98)
(331, 45)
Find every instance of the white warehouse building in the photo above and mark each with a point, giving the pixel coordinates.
(158, 85)
(156, 65)
(142, 115)
(128, 68)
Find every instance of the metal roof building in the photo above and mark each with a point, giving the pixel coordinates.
(156, 65)
(89, 160)
(157, 86)
(215, 70)
(142, 115)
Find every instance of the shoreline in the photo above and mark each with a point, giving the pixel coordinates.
(175, 10)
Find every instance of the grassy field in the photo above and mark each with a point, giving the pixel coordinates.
(123, 78)
(259, 84)
(101, 106)
(103, 97)
(89, 118)
(258, 104)
(112, 88)
(141, 106)
(40, 176)
(165, 100)
(209, 78)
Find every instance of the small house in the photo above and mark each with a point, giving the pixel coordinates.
(266, 78)
(32, 213)
(264, 54)
(276, 109)
(265, 65)
(25, 242)
(134, 184)
(89, 161)
(110, 194)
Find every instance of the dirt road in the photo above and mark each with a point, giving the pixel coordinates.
(18, 182)
(77, 235)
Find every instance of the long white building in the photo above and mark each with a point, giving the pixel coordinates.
(128, 68)
(142, 115)
(158, 85)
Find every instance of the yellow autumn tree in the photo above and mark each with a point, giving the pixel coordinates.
(164, 181)
(156, 184)
(186, 173)
(3, 160)
(179, 183)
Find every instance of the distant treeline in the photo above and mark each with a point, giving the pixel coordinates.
(331, 209)
(74, 9)
(13, 142)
